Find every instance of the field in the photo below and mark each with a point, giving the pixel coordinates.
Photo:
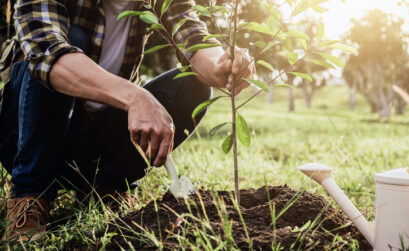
(355, 143)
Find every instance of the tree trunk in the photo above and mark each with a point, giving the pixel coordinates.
(270, 96)
(352, 97)
(400, 104)
(308, 91)
(384, 111)
(290, 96)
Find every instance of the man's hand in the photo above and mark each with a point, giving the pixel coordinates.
(151, 127)
(218, 70)
(149, 123)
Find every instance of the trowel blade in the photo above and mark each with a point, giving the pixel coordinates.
(182, 189)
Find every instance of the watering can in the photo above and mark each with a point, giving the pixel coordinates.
(391, 223)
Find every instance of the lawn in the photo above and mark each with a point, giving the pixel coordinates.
(355, 143)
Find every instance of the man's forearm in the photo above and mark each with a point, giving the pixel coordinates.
(76, 75)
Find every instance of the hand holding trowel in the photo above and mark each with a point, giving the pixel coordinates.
(180, 187)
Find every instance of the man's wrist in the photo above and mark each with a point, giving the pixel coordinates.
(131, 95)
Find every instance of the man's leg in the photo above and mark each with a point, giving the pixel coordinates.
(119, 159)
(43, 117)
(33, 123)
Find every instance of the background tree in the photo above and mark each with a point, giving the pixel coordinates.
(381, 59)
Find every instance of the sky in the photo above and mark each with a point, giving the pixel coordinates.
(339, 14)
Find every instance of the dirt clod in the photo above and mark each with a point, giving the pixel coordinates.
(309, 223)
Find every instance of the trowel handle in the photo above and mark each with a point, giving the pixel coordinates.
(171, 168)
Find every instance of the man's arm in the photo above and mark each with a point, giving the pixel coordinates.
(58, 65)
(213, 64)
(76, 75)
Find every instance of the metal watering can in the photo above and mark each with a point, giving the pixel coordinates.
(391, 223)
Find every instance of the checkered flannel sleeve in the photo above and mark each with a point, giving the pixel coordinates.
(192, 32)
(42, 29)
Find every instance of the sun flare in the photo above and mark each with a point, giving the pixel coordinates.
(340, 13)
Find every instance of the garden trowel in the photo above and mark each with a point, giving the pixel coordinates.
(180, 187)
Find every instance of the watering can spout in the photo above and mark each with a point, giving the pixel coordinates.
(322, 174)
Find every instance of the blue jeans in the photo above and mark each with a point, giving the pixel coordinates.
(49, 140)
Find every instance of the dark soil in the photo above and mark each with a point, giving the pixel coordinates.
(256, 207)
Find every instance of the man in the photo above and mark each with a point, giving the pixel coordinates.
(71, 115)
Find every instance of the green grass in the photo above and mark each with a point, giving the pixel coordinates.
(353, 142)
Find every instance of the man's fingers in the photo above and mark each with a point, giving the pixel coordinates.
(224, 68)
(135, 137)
(238, 62)
(224, 57)
(242, 86)
(154, 145)
(144, 141)
(163, 151)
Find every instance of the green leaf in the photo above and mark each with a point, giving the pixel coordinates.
(302, 75)
(271, 9)
(182, 46)
(283, 85)
(201, 46)
(227, 144)
(304, 44)
(156, 27)
(265, 64)
(178, 25)
(211, 36)
(260, 44)
(258, 83)
(327, 43)
(129, 13)
(318, 9)
(298, 34)
(344, 47)
(148, 17)
(292, 58)
(216, 128)
(184, 74)
(243, 132)
(165, 6)
(204, 105)
(184, 68)
(271, 23)
(301, 7)
(258, 28)
(155, 48)
(320, 31)
(269, 45)
(202, 10)
(336, 61)
(322, 63)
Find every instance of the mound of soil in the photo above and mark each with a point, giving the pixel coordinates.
(168, 217)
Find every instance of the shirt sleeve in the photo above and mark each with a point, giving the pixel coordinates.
(42, 30)
(192, 32)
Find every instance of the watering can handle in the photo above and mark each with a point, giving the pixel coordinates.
(171, 168)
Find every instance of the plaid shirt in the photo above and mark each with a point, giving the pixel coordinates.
(42, 29)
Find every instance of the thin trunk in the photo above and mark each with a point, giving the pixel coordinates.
(352, 96)
(378, 80)
(290, 96)
(308, 90)
(270, 96)
(233, 105)
(399, 102)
